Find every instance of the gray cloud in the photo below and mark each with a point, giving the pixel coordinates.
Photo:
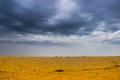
(61, 17)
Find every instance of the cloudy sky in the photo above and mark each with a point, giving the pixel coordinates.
(60, 27)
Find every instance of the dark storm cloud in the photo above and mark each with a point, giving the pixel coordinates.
(15, 17)
(23, 18)
(103, 10)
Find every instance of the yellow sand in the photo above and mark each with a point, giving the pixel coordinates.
(73, 68)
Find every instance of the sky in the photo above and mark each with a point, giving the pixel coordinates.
(59, 27)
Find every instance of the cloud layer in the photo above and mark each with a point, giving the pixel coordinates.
(60, 22)
(59, 17)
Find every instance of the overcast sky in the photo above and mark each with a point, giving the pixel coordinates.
(60, 27)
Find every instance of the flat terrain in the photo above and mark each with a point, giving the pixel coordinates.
(59, 68)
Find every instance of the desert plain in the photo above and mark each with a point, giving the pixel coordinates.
(60, 68)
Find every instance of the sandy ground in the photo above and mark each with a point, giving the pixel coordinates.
(59, 68)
